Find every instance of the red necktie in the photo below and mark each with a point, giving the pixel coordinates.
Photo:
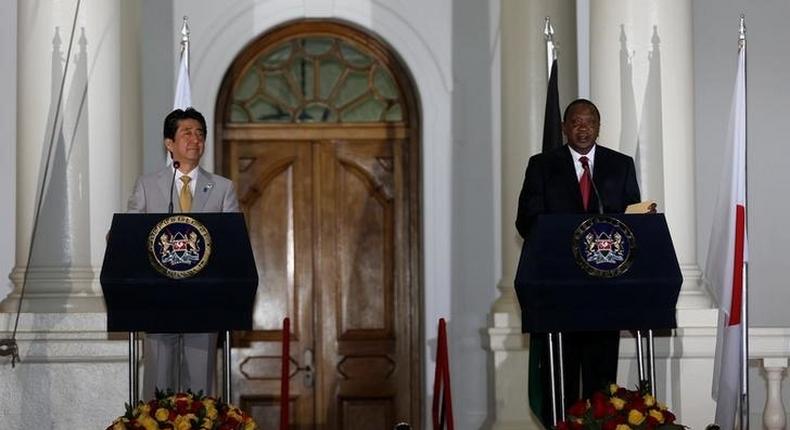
(585, 182)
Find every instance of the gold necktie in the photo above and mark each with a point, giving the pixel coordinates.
(185, 197)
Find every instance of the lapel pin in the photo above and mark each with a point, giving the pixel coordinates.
(208, 187)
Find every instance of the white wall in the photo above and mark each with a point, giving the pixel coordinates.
(8, 40)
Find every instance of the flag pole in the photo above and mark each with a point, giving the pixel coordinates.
(551, 57)
(744, 403)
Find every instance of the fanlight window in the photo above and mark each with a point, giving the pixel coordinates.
(316, 80)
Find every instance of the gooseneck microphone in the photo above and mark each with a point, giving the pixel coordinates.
(595, 189)
(176, 165)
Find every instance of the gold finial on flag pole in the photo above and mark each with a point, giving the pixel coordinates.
(185, 40)
(551, 47)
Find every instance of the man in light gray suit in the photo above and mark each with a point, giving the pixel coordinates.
(193, 190)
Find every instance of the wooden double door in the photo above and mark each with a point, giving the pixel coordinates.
(331, 212)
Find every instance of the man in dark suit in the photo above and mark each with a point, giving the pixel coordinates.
(195, 190)
(560, 181)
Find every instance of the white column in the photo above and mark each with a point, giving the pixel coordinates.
(83, 186)
(774, 414)
(641, 78)
(524, 82)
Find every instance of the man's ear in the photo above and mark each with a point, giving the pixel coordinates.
(169, 144)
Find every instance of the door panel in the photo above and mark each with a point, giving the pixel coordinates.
(273, 180)
(364, 241)
(367, 370)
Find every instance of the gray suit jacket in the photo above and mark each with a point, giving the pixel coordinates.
(213, 193)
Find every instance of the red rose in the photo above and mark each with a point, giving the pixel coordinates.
(599, 407)
(609, 425)
(651, 422)
(182, 406)
(610, 409)
(578, 409)
(669, 417)
(576, 426)
(636, 403)
(562, 425)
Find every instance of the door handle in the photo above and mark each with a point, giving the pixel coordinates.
(308, 368)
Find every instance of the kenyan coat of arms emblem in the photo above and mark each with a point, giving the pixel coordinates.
(603, 247)
(179, 247)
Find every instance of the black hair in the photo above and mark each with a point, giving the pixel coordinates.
(173, 118)
(581, 102)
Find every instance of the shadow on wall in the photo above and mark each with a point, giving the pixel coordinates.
(61, 234)
(644, 140)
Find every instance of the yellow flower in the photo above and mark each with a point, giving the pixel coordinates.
(144, 409)
(250, 425)
(211, 411)
(635, 417)
(613, 388)
(622, 427)
(184, 422)
(618, 403)
(207, 424)
(649, 400)
(162, 414)
(657, 415)
(235, 413)
(148, 422)
(119, 425)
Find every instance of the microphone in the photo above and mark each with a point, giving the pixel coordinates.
(597, 196)
(176, 164)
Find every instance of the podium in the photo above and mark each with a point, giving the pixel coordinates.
(584, 272)
(178, 273)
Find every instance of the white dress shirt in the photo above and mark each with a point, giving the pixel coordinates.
(578, 164)
(193, 174)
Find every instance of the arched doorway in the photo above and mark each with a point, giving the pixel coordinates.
(317, 124)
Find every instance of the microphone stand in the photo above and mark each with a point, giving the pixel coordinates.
(176, 165)
(180, 346)
(597, 195)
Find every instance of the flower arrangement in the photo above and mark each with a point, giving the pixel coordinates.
(619, 409)
(183, 411)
